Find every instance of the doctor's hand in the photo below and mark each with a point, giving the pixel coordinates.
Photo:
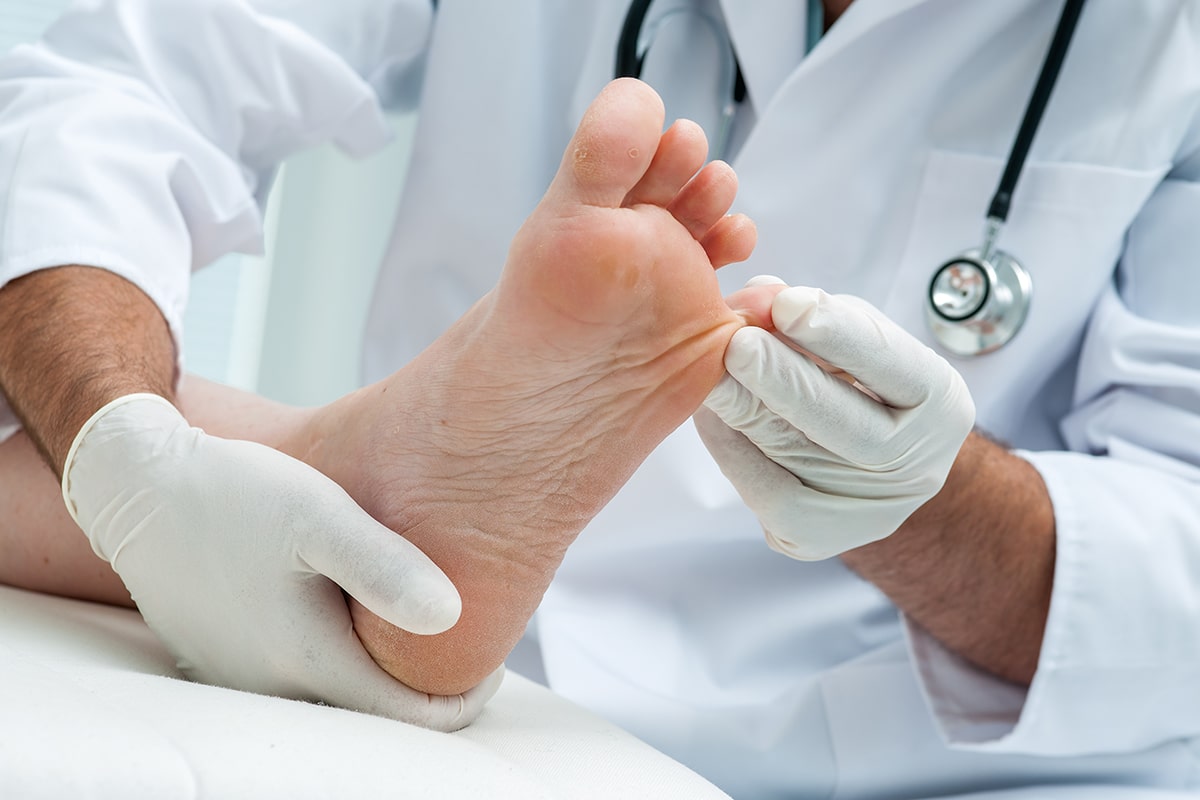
(237, 555)
(835, 446)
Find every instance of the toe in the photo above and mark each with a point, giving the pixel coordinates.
(613, 146)
(730, 240)
(753, 304)
(681, 153)
(705, 199)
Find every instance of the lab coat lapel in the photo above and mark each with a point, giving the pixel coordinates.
(862, 17)
(770, 35)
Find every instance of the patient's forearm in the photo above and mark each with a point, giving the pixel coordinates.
(42, 549)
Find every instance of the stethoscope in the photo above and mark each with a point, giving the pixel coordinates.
(635, 41)
(978, 300)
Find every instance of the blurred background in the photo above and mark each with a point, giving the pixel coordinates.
(288, 325)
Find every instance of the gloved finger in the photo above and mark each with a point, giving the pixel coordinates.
(763, 289)
(371, 690)
(336, 669)
(830, 412)
(753, 301)
(742, 410)
(779, 500)
(765, 280)
(852, 335)
(381, 569)
(777, 438)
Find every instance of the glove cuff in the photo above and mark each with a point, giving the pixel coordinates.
(86, 429)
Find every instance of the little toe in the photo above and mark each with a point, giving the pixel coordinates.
(681, 153)
(705, 199)
(612, 147)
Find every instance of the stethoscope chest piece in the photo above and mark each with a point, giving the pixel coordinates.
(976, 304)
(978, 301)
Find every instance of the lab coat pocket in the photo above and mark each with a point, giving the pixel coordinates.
(1067, 228)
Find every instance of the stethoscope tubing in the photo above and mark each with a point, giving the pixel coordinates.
(629, 61)
(1035, 109)
(990, 315)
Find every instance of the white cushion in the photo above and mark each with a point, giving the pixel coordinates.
(92, 706)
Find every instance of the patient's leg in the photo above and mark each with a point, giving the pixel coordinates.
(493, 448)
(42, 549)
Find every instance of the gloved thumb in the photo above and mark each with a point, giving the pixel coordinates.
(382, 570)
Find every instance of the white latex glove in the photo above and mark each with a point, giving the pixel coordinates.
(825, 466)
(235, 552)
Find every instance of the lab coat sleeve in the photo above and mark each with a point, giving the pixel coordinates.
(141, 136)
(1119, 668)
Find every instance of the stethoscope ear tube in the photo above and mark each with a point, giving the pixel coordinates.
(629, 60)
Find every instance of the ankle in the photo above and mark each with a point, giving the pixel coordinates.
(321, 437)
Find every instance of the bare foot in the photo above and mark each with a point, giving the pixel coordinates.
(493, 448)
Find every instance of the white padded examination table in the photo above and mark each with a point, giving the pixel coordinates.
(91, 706)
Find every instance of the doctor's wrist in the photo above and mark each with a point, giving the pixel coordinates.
(73, 339)
(974, 566)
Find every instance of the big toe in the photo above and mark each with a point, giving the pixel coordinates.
(612, 147)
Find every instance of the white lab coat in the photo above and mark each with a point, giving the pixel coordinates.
(141, 140)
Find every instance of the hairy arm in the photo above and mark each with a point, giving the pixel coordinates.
(974, 566)
(72, 339)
